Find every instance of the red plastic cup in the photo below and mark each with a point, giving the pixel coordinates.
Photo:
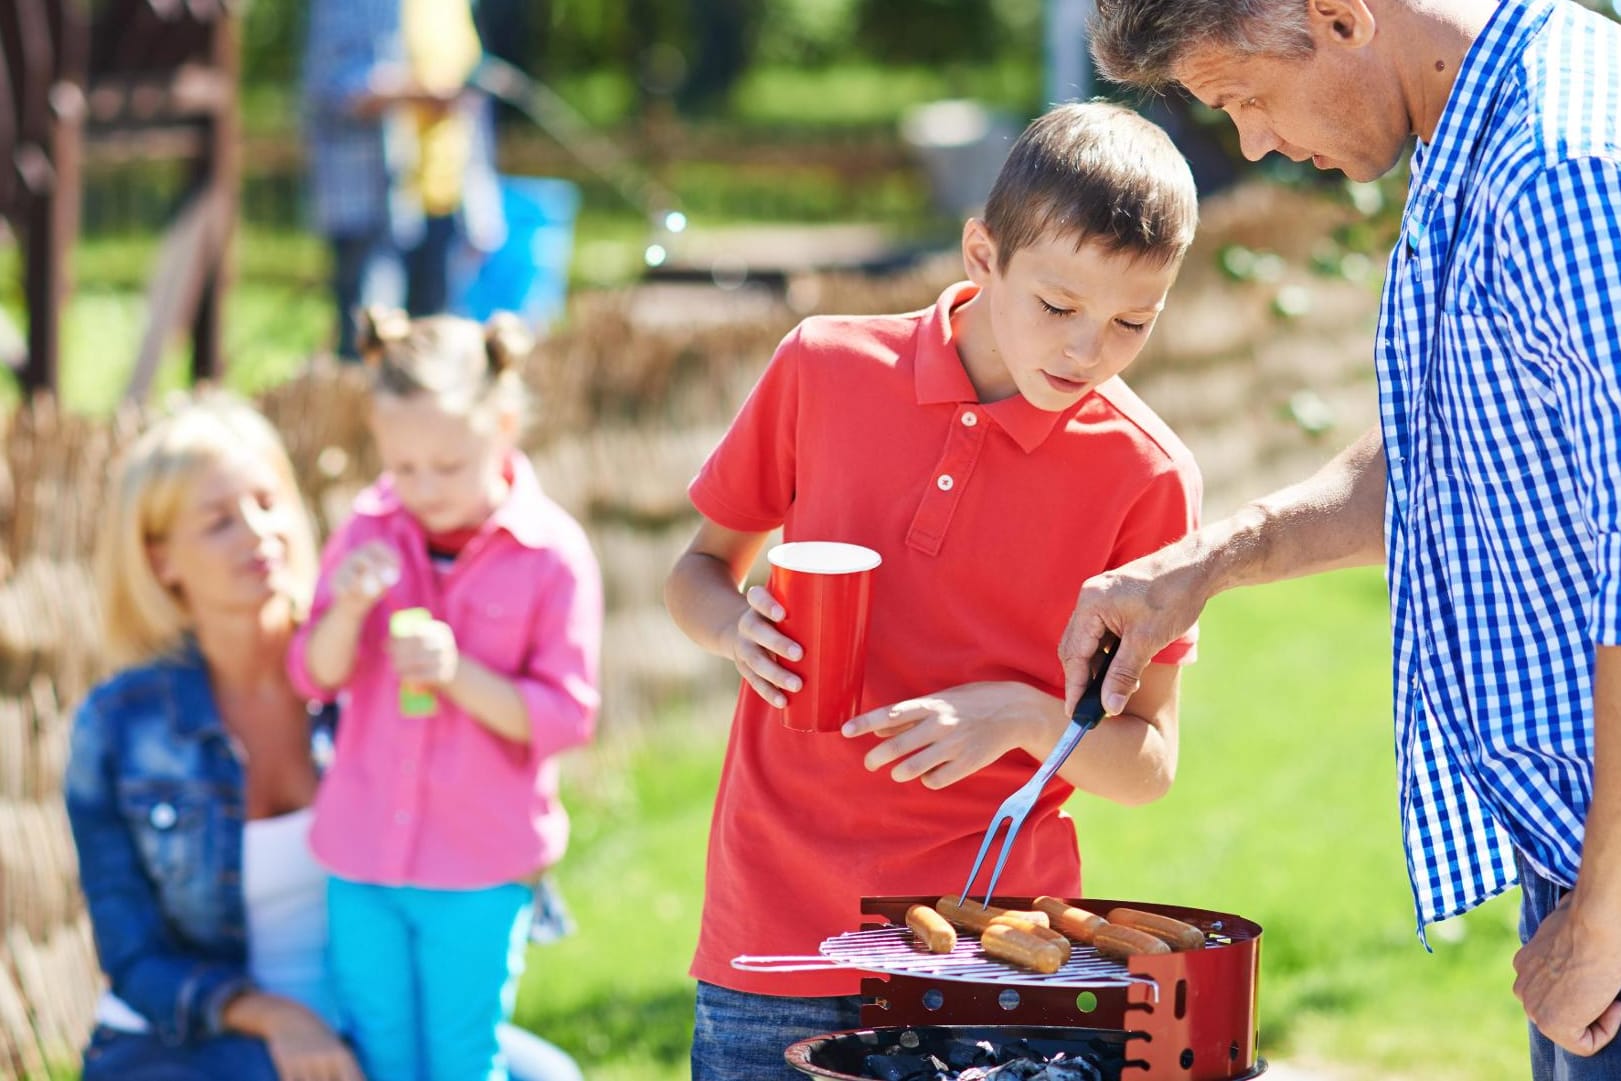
(825, 587)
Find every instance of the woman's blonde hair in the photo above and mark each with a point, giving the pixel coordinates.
(468, 368)
(142, 618)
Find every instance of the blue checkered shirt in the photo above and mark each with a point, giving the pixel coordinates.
(348, 157)
(1500, 400)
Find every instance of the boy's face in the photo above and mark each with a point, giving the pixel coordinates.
(1060, 320)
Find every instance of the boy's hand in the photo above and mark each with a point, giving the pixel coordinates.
(363, 576)
(756, 645)
(426, 655)
(945, 737)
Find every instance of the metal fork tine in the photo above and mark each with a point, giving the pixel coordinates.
(1012, 811)
(984, 847)
(1007, 846)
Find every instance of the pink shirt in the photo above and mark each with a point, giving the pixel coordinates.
(441, 801)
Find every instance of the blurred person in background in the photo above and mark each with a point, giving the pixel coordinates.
(193, 768)
(400, 152)
(1492, 489)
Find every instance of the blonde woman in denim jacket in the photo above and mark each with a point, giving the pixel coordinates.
(203, 570)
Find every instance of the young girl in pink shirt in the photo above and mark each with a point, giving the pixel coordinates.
(440, 811)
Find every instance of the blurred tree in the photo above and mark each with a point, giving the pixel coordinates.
(722, 34)
(927, 31)
(506, 30)
(271, 31)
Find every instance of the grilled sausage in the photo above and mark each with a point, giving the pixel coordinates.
(1021, 948)
(1118, 942)
(973, 916)
(933, 932)
(1017, 921)
(1174, 933)
(1074, 923)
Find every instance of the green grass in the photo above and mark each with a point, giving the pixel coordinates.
(1284, 812)
(277, 315)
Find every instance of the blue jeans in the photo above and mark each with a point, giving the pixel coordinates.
(129, 1056)
(737, 1036)
(427, 976)
(1549, 1061)
(368, 268)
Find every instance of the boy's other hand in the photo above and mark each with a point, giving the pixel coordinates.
(942, 738)
(363, 576)
(757, 644)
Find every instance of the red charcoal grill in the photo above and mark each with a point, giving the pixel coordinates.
(1187, 1016)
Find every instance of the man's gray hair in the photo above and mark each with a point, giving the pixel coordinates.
(1140, 42)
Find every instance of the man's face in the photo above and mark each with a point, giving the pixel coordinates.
(1334, 107)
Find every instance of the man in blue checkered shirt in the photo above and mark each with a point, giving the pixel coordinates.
(1492, 488)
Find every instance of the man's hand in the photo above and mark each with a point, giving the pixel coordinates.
(1146, 605)
(1568, 978)
(945, 737)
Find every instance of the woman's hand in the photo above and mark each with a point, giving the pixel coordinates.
(301, 1046)
(363, 576)
(757, 645)
(426, 655)
(942, 738)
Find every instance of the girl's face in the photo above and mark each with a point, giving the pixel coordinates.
(228, 548)
(446, 467)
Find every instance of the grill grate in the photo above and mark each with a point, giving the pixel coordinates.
(892, 950)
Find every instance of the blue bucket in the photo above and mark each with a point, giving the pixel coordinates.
(529, 273)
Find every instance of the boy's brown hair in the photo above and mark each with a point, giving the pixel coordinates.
(1099, 173)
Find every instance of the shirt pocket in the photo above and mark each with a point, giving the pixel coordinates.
(493, 628)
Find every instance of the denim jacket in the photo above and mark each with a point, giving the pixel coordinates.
(156, 799)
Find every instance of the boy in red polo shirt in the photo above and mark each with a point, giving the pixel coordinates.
(985, 448)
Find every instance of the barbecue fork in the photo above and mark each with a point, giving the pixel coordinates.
(1088, 712)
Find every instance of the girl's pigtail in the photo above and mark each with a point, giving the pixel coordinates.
(380, 327)
(507, 343)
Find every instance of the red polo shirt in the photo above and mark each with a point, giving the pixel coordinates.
(988, 517)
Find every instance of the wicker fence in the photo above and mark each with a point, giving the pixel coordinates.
(630, 398)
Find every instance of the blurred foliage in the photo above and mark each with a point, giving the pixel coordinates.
(696, 50)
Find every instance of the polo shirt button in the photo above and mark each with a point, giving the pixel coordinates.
(401, 817)
(970, 419)
(944, 482)
(163, 816)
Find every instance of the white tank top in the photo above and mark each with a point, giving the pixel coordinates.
(284, 892)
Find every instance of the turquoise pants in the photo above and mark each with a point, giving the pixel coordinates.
(425, 976)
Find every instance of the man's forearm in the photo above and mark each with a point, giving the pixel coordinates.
(1600, 878)
(1333, 519)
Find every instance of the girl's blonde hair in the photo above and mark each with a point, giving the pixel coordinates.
(469, 369)
(142, 618)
